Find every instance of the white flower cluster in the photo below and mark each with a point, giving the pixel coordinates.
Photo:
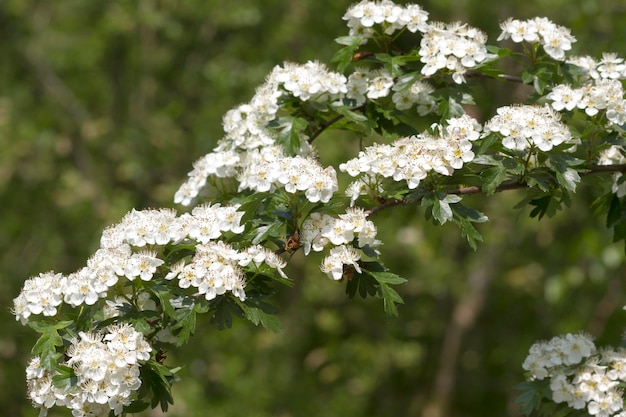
(217, 268)
(410, 159)
(221, 164)
(366, 84)
(407, 94)
(106, 367)
(267, 171)
(555, 39)
(118, 257)
(311, 81)
(246, 126)
(361, 17)
(579, 375)
(609, 67)
(603, 94)
(614, 155)
(320, 230)
(456, 47)
(526, 127)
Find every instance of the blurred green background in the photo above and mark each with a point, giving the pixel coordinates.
(105, 105)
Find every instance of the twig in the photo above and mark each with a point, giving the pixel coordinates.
(329, 123)
(512, 185)
(505, 77)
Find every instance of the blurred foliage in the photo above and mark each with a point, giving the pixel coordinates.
(105, 105)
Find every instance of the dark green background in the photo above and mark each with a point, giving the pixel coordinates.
(105, 105)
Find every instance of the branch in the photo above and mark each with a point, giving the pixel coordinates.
(511, 185)
(325, 126)
(330, 122)
(504, 77)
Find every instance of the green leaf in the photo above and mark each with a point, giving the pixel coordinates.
(614, 213)
(136, 406)
(259, 312)
(44, 325)
(469, 213)
(224, 310)
(46, 346)
(47, 342)
(349, 114)
(390, 299)
(492, 178)
(533, 395)
(185, 324)
(542, 179)
(157, 381)
(290, 130)
(602, 204)
(469, 232)
(568, 179)
(441, 211)
(64, 376)
(386, 277)
(166, 305)
(365, 284)
(389, 295)
(343, 57)
(544, 205)
(251, 205)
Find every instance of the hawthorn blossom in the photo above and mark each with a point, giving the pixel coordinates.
(106, 368)
(554, 39)
(407, 94)
(526, 127)
(454, 47)
(410, 159)
(362, 18)
(340, 256)
(40, 295)
(294, 174)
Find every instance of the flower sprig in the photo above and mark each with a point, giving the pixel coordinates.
(264, 193)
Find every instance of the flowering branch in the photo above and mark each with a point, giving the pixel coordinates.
(103, 329)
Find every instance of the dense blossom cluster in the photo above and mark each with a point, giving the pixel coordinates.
(123, 253)
(366, 84)
(311, 81)
(362, 17)
(579, 375)
(267, 149)
(249, 139)
(604, 94)
(554, 39)
(455, 47)
(321, 230)
(217, 268)
(267, 171)
(410, 159)
(610, 66)
(106, 368)
(525, 127)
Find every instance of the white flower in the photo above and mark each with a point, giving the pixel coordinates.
(379, 84)
(40, 295)
(454, 47)
(565, 97)
(555, 39)
(333, 264)
(143, 265)
(525, 127)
